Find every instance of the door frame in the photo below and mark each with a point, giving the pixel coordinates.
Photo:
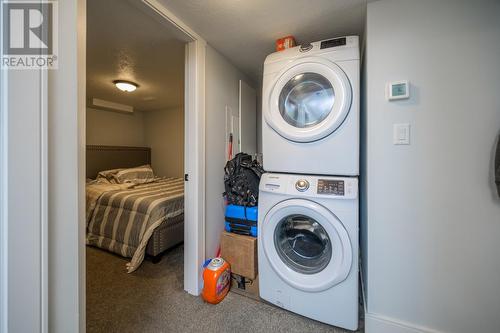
(194, 149)
(23, 197)
(59, 266)
(3, 191)
(194, 141)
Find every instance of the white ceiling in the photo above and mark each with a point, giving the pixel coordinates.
(125, 43)
(244, 31)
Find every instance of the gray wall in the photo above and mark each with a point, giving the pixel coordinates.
(115, 128)
(164, 133)
(221, 89)
(431, 217)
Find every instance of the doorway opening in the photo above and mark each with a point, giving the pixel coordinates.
(144, 91)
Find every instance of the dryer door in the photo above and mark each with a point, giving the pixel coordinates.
(309, 100)
(306, 245)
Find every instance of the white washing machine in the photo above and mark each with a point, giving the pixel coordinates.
(308, 246)
(310, 108)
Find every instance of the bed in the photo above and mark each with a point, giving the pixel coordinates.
(130, 218)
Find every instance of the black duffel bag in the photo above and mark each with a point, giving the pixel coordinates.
(241, 180)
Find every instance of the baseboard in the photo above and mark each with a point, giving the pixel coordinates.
(375, 323)
(379, 324)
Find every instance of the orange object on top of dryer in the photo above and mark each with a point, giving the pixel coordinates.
(285, 43)
(216, 280)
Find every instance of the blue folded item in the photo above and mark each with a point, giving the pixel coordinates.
(241, 220)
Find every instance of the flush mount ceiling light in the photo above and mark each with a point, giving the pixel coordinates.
(126, 86)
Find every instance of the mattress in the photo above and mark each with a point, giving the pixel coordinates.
(122, 218)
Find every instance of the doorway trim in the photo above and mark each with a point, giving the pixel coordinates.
(3, 191)
(194, 148)
(23, 196)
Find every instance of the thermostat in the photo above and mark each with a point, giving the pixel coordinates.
(398, 90)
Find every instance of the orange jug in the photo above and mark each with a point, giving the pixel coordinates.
(216, 280)
(285, 43)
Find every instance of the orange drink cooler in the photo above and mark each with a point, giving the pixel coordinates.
(216, 280)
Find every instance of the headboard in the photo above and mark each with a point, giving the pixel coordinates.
(113, 157)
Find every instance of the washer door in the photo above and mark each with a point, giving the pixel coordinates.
(306, 245)
(309, 100)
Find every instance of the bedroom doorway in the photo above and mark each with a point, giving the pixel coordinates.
(42, 170)
(141, 232)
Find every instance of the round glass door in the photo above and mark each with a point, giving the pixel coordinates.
(306, 100)
(306, 245)
(309, 99)
(303, 244)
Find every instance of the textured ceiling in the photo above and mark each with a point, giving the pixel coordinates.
(125, 43)
(244, 31)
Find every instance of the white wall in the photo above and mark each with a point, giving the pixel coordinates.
(221, 88)
(164, 133)
(115, 128)
(248, 118)
(432, 218)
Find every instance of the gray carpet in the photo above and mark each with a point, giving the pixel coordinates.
(152, 300)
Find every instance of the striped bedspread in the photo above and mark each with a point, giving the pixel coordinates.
(122, 220)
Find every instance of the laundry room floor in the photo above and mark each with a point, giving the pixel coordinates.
(152, 300)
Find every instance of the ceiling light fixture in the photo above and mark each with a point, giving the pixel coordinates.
(126, 86)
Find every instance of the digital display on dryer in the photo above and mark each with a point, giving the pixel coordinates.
(328, 186)
(333, 43)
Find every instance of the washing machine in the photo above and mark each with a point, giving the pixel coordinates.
(308, 246)
(310, 109)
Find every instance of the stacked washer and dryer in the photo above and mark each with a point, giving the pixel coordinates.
(308, 200)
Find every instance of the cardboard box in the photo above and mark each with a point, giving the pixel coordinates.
(241, 253)
(245, 286)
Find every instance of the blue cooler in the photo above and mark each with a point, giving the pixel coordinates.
(241, 220)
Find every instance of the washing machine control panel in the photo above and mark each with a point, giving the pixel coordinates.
(329, 186)
(310, 186)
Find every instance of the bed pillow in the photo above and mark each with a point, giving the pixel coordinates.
(138, 175)
(108, 176)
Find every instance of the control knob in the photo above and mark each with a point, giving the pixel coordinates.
(302, 185)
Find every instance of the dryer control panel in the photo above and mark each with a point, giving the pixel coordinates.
(333, 43)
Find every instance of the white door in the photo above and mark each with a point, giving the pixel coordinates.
(248, 119)
(306, 245)
(309, 100)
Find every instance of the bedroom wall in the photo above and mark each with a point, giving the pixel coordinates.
(432, 218)
(164, 133)
(115, 128)
(221, 89)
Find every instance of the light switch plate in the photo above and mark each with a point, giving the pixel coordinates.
(401, 134)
